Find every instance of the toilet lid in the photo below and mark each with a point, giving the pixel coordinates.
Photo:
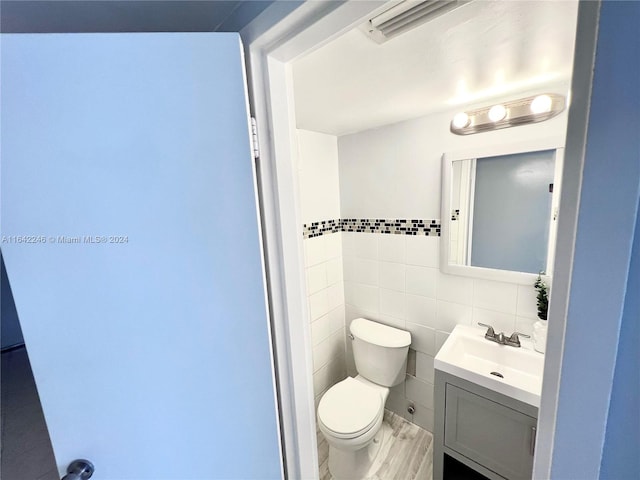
(349, 407)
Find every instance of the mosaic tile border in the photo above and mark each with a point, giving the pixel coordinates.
(317, 229)
(398, 226)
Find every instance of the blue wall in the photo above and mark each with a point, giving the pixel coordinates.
(621, 451)
(620, 458)
(599, 297)
(62, 16)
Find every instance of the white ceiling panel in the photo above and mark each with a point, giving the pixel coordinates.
(480, 51)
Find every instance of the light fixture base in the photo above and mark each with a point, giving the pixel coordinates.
(516, 112)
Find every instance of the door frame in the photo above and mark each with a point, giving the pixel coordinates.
(282, 34)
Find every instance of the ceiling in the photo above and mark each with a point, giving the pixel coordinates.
(67, 16)
(481, 51)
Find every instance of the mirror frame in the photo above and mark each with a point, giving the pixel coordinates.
(522, 278)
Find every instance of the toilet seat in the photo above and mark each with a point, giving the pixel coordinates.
(349, 409)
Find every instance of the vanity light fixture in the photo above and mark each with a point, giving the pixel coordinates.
(497, 113)
(541, 104)
(509, 114)
(461, 120)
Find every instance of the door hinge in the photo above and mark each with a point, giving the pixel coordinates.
(255, 147)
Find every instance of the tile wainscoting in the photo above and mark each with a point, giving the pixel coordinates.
(325, 297)
(395, 279)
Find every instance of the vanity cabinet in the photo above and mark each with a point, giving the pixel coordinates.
(487, 431)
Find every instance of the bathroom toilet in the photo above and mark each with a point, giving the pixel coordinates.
(350, 413)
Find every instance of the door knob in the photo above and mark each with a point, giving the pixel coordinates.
(79, 470)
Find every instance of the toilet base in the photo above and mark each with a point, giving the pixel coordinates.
(359, 464)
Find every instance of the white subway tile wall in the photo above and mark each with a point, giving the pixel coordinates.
(325, 291)
(391, 248)
(395, 280)
(392, 276)
(496, 296)
(392, 303)
(419, 252)
(327, 350)
(317, 171)
(394, 172)
(386, 277)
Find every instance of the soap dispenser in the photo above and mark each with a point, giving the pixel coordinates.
(540, 336)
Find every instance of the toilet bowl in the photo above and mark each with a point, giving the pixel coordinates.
(350, 414)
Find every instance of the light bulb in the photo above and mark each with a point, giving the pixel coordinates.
(541, 104)
(461, 120)
(497, 113)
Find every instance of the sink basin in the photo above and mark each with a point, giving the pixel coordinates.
(468, 355)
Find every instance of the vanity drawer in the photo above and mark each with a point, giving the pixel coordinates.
(498, 437)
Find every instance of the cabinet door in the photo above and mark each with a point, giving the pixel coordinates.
(495, 436)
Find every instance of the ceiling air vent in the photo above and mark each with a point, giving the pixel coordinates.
(405, 15)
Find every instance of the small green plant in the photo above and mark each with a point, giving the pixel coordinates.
(543, 298)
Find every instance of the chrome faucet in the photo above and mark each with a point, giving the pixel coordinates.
(491, 333)
(511, 341)
(514, 339)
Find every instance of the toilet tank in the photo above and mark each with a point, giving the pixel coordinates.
(380, 351)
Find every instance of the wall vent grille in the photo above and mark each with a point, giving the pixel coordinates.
(406, 15)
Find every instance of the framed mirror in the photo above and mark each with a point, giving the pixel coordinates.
(499, 210)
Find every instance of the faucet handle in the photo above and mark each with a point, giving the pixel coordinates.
(490, 331)
(514, 339)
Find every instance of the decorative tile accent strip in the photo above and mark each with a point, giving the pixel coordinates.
(399, 226)
(317, 229)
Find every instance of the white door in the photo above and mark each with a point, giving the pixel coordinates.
(131, 239)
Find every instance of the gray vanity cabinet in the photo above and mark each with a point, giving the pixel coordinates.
(487, 431)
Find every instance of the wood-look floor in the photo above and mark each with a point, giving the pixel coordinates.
(406, 455)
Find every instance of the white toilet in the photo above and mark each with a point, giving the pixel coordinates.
(350, 413)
